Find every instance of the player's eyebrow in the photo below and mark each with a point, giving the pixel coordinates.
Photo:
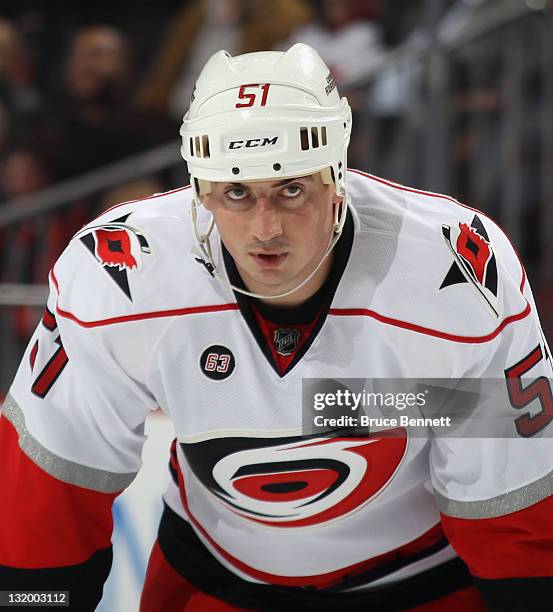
(308, 177)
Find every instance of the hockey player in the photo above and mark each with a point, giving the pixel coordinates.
(298, 270)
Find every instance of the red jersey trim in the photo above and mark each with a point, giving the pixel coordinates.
(54, 280)
(341, 312)
(178, 312)
(363, 312)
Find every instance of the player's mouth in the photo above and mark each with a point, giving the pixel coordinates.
(268, 260)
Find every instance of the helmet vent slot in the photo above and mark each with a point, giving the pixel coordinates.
(315, 137)
(199, 146)
(304, 138)
(312, 138)
(205, 146)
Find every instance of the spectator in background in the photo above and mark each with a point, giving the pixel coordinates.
(347, 37)
(24, 247)
(94, 124)
(199, 29)
(22, 173)
(18, 97)
(133, 190)
(29, 249)
(5, 133)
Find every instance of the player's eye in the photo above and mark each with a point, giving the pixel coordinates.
(292, 191)
(236, 193)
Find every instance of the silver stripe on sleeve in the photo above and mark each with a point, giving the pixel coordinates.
(58, 467)
(497, 506)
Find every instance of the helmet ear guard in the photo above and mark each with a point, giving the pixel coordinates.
(327, 176)
(265, 116)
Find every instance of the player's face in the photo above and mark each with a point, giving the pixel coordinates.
(276, 231)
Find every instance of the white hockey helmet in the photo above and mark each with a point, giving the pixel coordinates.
(266, 115)
(262, 116)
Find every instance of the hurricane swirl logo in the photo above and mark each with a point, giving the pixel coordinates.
(304, 482)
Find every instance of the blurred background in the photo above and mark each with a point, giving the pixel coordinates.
(454, 96)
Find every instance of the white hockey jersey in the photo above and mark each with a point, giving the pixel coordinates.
(431, 289)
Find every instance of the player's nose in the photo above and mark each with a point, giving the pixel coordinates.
(266, 223)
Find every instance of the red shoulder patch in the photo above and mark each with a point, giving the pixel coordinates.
(474, 250)
(113, 248)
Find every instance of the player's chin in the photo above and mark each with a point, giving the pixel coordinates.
(275, 278)
(272, 277)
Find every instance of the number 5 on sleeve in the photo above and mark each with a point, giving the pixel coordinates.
(520, 397)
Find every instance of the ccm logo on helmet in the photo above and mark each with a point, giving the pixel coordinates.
(250, 143)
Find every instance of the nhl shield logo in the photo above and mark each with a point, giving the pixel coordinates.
(286, 341)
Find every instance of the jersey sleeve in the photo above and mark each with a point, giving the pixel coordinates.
(71, 434)
(494, 486)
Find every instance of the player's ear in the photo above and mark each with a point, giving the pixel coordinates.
(206, 201)
(336, 199)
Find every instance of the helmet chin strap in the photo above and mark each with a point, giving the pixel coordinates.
(204, 253)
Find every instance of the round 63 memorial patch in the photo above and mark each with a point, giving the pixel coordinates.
(217, 362)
